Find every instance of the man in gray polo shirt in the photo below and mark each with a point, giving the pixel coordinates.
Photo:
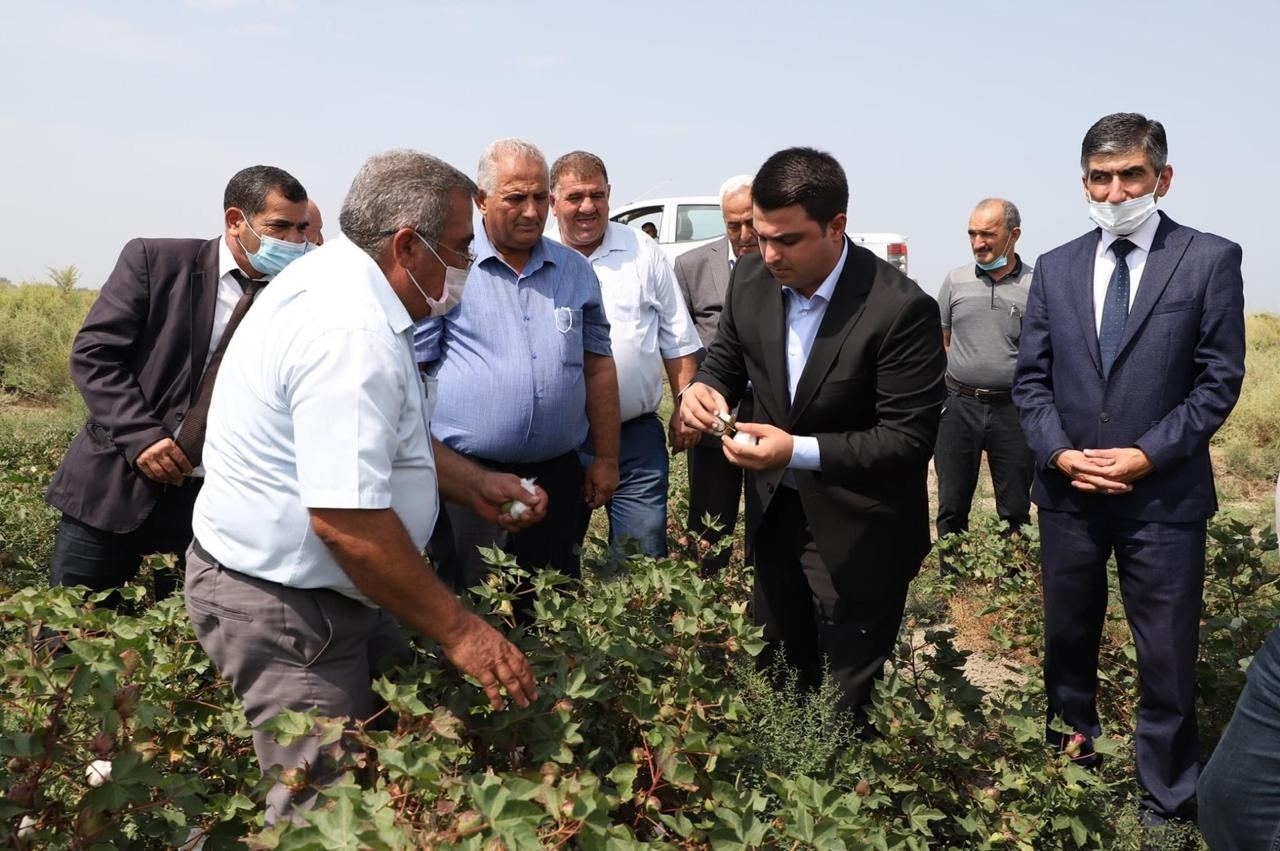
(982, 305)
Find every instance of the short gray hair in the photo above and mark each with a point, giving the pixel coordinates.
(487, 174)
(734, 184)
(1121, 132)
(399, 189)
(1012, 218)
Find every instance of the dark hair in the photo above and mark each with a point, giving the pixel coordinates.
(581, 163)
(1121, 132)
(805, 176)
(249, 187)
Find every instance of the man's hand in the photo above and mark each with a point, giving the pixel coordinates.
(1125, 465)
(679, 435)
(480, 651)
(493, 490)
(164, 462)
(699, 407)
(773, 452)
(1089, 474)
(601, 481)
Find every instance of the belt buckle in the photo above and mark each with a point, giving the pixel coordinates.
(983, 393)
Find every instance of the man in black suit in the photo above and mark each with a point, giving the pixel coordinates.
(1131, 357)
(845, 355)
(127, 485)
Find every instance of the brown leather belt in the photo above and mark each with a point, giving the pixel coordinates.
(982, 394)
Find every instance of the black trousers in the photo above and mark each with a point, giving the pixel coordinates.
(968, 427)
(715, 489)
(810, 614)
(84, 555)
(554, 543)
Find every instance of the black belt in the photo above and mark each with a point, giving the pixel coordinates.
(982, 394)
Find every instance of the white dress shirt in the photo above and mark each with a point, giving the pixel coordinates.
(804, 317)
(1104, 263)
(229, 292)
(648, 319)
(318, 404)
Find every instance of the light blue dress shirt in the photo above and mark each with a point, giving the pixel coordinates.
(804, 318)
(509, 358)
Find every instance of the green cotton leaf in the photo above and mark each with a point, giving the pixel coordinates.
(623, 776)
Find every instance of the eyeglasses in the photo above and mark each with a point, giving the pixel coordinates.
(469, 256)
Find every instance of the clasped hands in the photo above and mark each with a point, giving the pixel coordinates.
(1104, 471)
(700, 407)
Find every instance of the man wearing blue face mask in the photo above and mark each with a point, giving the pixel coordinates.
(982, 305)
(145, 363)
(1132, 356)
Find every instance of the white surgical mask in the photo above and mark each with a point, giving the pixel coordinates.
(1126, 217)
(455, 281)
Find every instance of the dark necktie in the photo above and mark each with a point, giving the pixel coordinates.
(191, 436)
(1115, 307)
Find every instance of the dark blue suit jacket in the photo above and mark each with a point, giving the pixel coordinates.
(1175, 380)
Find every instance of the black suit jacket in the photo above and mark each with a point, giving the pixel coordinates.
(871, 392)
(136, 361)
(1176, 378)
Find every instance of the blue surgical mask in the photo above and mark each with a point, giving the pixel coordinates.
(272, 254)
(1000, 262)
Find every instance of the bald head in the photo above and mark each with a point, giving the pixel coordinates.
(314, 224)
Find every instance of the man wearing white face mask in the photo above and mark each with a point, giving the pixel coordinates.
(322, 484)
(1132, 356)
(982, 305)
(144, 362)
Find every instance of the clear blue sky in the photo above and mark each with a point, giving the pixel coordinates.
(125, 119)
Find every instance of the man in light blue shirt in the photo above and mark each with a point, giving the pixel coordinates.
(525, 373)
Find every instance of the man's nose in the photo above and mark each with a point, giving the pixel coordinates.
(1115, 191)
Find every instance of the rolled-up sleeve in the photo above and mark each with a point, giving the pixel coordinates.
(677, 335)
(345, 396)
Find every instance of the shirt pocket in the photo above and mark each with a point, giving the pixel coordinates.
(568, 330)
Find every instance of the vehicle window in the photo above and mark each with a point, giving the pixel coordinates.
(640, 216)
(698, 221)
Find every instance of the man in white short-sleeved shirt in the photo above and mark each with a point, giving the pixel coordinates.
(321, 485)
(649, 329)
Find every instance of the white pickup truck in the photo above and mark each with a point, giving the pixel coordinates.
(686, 222)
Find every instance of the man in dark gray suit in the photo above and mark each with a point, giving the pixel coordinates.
(715, 485)
(128, 482)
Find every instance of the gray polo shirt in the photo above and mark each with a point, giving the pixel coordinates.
(985, 321)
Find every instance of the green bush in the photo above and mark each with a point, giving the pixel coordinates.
(651, 729)
(32, 444)
(1249, 442)
(37, 325)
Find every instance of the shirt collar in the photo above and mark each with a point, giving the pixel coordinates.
(614, 240)
(828, 285)
(484, 251)
(1141, 238)
(979, 272)
(227, 261)
(383, 293)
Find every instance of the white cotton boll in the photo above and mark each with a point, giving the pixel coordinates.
(98, 772)
(26, 827)
(745, 439)
(515, 507)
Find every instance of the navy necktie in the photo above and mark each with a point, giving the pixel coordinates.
(1115, 307)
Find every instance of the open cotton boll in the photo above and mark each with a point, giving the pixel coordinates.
(98, 772)
(745, 439)
(26, 827)
(515, 507)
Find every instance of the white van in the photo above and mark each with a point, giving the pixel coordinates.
(686, 222)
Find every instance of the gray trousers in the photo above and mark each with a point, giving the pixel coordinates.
(290, 648)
